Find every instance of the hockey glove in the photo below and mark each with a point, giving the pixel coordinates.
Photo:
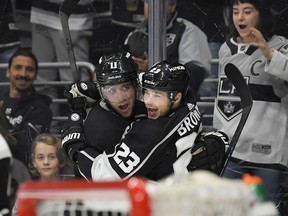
(208, 152)
(73, 136)
(82, 95)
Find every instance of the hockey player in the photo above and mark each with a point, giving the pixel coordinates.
(152, 148)
(108, 117)
(5, 180)
(262, 58)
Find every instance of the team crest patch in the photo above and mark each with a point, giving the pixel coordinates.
(229, 109)
(170, 39)
(228, 99)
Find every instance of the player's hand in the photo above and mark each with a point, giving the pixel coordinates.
(208, 152)
(260, 42)
(73, 136)
(82, 95)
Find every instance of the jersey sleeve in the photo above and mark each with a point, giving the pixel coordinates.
(278, 64)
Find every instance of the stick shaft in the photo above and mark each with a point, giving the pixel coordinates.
(237, 79)
(66, 9)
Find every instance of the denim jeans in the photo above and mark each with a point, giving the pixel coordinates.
(273, 179)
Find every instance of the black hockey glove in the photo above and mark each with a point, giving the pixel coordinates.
(208, 153)
(82, 95)
(73, 136)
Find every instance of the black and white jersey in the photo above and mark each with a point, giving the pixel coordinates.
(103, 126)
(149, 148)
(264, 136)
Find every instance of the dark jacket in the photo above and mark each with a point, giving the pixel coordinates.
(26, 117)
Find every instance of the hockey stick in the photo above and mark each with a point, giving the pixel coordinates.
(65, 11)
(237, 79)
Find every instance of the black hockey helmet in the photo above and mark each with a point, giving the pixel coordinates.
(116, 69)
(167, 77)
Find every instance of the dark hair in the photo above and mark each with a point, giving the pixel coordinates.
(266, 23)
(24, 52)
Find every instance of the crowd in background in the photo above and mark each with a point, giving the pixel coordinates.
(106, 27)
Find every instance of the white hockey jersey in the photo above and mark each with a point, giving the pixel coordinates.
(264, 137)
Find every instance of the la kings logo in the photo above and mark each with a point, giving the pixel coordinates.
(228, 101)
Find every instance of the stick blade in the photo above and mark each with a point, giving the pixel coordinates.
(67, 6)
(237, 79)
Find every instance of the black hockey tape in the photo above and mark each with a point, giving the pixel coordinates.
(67, 6)
(237, 79)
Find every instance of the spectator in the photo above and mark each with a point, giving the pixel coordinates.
(48, 42)
(208, 16)
(48, 160)
(261, 56)
(26, 112)
(152, 148)
(126, 14)
(186, 44)
(109, 34)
